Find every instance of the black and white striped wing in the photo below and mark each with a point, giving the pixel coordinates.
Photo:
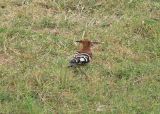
(80, 59)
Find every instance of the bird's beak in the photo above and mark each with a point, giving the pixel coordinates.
(97, 42)
(79, 41)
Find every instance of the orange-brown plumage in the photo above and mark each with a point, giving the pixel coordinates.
(86, 46)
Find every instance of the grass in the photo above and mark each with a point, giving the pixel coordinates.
(36, 41)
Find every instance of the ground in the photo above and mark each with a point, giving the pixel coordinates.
(37, 39)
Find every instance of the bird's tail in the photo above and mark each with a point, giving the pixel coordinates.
(73, 63)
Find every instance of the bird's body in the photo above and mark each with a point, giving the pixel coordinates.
(83, 56)
(80, 59)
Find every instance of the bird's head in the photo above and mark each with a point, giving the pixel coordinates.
(87, 45)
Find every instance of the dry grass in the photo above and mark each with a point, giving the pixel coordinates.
(36, 41)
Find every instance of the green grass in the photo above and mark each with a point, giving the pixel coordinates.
(37, 40)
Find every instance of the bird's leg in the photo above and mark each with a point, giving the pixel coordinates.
(75, 71)
(86, 76)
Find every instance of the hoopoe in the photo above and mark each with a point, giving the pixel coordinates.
(84, 55)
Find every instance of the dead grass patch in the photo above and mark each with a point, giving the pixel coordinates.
(5, 59)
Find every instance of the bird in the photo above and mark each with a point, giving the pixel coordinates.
(84, 55)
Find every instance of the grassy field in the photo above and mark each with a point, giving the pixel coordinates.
(37, 40)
